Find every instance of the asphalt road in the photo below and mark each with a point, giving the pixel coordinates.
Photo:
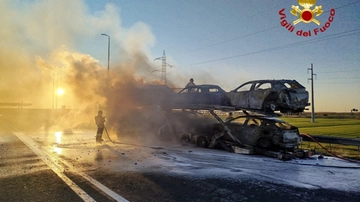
(51, 165)
(25, 177)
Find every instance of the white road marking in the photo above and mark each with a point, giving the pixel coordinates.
(94, 182)
(59, 170)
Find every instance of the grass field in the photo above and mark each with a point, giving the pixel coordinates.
(335, 127)
(332, 125)
(339, 127)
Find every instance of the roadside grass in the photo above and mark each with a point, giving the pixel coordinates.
(335, 127)
(347, 128)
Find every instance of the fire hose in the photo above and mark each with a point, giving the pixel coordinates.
(109, 136)
(333, 154)
(127, 143)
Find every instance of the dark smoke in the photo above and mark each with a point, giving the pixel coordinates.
(38, 55)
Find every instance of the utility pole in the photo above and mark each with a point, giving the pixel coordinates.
(53, 100)
(312, 93)
(108, 62)
(163, 67)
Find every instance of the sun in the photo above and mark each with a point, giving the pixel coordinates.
(60, 91)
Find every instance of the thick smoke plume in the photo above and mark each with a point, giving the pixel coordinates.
(90, 87)
(39, 54)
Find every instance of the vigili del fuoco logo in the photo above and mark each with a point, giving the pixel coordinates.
(306, 13)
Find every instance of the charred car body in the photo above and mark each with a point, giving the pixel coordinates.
(191, 97)
(270, 95)
(199, 96)
(263, 132)
(254, 131)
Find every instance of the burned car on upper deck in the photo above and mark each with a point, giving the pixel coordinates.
(261, 131)
(200, 96)
(151, 95)
(270, 95)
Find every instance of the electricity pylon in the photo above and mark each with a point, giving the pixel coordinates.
(163, 67)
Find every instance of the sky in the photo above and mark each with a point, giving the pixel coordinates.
(48, 44)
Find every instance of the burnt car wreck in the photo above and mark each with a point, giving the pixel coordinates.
(270, 95)
(247, 134)
(199, 96)
(261, 131)
(191, 97)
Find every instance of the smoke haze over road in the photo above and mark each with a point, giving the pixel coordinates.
(38, 56)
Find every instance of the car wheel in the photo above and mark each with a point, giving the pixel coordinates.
(269, 106)
(202, 142)
(185, 138)
(272, 107)
(284, 97)
(163, 132)
(264, 143)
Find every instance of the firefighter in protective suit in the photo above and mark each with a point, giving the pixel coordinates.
(100, 122)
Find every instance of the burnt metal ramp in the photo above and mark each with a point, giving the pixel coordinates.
(205, 107)
(216, 137)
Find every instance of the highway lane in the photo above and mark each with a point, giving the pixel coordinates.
(158, 171)
(36, 170)
(25, 177)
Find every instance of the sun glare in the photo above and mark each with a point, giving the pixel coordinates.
(58, 138)
(60, 91)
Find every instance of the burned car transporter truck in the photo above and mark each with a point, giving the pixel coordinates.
(247, 134)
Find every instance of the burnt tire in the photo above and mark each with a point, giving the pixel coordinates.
(202, 142)
(269, 106)
(264, 143)
(185, 139)
(163, 132)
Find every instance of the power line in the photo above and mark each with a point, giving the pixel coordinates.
(228, 25)
(250, 34)
(335, 78)
(247, 35)
(345, 82)
(233, 39)
(346, 5)
(332, 72)
(291, 45)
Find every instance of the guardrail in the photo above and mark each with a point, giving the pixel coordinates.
(332, 140)
(15, 104)
(349, 147)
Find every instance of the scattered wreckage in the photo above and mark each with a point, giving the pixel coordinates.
(250, 134)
